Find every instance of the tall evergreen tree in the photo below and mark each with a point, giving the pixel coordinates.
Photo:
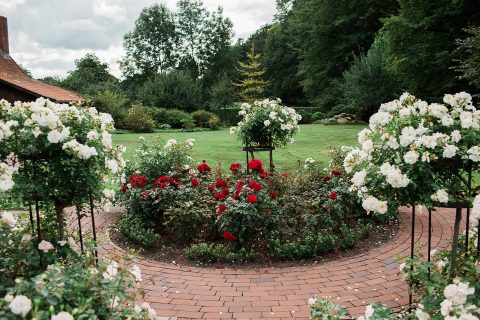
(421, 43)
(251, 86)
(469, 63)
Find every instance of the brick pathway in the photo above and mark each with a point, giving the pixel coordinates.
(207, 293)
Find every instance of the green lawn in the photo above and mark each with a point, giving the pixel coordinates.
(313, 141)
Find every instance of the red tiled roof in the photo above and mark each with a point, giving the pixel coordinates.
(12, 74)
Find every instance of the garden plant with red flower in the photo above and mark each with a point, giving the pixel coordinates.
(204, 167)
(234, 167)
(137, 181)
(255, 165)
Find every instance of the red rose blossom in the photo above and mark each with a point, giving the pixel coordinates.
(235, 167)
(160, 180)
(225, 192)
(221, 209)
(326, 178)
(145, 195)
(236, 196)
(263, 175)
(333, 195)
(204, 167)
(252, 198)
(227, 235)
(273, 194)
(219, 196)
(221, 183)
(195, 182)
(255, 165)
(336, 172)
(240, 184)
(137, 181)
(211, 188)
(124, 188)
(163, 185)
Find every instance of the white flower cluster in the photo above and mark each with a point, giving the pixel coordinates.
(308, 163)
(407, 134)
(372, 204)
(6, 176)
(8, 218)
(82, 151)
(19, 305)
(456, 295)
(272, 115)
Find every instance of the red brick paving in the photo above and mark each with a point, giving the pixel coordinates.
(183, 292)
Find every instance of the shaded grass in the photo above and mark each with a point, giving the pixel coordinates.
(220, 147)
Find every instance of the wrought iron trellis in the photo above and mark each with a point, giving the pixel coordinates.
(458, 215)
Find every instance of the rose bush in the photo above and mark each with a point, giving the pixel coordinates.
(416, 153)
(439, 296)
(51, 281)
(265, 123)
(59, 152)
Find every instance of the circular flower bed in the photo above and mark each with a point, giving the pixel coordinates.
(303, 212)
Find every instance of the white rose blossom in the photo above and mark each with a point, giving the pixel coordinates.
(20, 305)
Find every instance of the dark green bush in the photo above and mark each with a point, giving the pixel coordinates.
(139, 120)
(349, 237)
(113, 103)
(178, 119)
(205, 252)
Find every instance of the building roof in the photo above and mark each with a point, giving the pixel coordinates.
(12, 74)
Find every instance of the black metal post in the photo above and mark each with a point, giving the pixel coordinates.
(271, 160)
(79, 218)
(92, 213)
(412, 252)
(30, 212)
(37, 212)
(467, 229)
(429, 237)
(246, 151)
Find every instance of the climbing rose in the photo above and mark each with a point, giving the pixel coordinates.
(333, 195)
(252, 198)
(227, 235)
(255, 165)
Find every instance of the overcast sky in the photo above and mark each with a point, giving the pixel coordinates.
(46, 36)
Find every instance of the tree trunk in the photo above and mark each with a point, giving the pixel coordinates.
(59, 209)
(456, 231)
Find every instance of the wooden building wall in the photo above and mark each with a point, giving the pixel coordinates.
(12, 94)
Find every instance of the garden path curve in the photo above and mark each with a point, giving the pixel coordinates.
(181, 292)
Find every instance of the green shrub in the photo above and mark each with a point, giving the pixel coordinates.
(139, 120)
(201, 118)
(349, 237)
(135, 229)
(318, 116)
(205, 252)
(214, 123)
(113, 103)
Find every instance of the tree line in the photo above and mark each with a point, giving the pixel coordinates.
(332, 56)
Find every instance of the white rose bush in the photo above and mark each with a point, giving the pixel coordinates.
(415, 153)
(57, 152)
(266, 123)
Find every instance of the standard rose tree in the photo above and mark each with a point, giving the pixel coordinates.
(57, 152)
(415, 153)
(266, 123)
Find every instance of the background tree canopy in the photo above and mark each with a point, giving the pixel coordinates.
(331, 56)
